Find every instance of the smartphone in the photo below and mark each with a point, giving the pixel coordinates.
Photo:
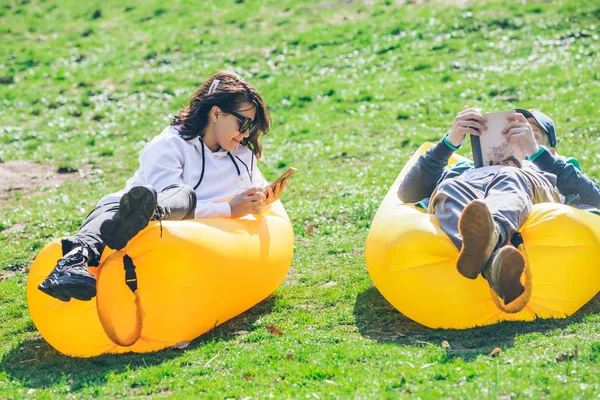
(289, 172)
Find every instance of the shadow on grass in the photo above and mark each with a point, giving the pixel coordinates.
(38, 365)
(377, 319)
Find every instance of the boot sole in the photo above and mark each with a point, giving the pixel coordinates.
(71, 286)
(55, 292)
(136, 209)
(476, 227)
(510, 268)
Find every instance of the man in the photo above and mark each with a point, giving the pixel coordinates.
(481, 208)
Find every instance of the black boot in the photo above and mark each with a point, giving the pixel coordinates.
(136, 209)
(71, 278)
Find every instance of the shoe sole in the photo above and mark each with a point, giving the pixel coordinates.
(510, 268)
(476, 227)
(54, 292)
(136, 209)
(71, 286)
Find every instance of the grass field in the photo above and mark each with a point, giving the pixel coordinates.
(354, 87)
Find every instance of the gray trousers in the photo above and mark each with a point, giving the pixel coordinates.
(509, 194)
(175, 202)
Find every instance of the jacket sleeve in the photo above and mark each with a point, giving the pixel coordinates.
(212, 210)
(569, 179)
(422, 178)
(162, 161)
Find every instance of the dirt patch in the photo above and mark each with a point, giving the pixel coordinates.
(18, 227)
(24, 177)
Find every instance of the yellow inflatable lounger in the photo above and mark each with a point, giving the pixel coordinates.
(166, 287)
(412, 262)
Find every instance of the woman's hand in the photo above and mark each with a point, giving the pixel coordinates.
(468, 121)
(273, 195)
(251, 201)
(520, 132)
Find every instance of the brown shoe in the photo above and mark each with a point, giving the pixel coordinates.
(480, 235)
(504, 273)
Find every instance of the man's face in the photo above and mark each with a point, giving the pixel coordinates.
(540, 137)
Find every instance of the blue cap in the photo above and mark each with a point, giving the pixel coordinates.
(544, 122)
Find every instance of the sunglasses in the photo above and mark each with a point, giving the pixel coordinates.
(247, 124)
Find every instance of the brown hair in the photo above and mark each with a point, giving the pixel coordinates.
(230, 93)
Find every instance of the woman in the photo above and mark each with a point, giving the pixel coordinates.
(191, 170)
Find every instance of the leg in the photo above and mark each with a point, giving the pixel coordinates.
(176, 202)
(463, 216)
(448, 202)
(89, 233)
(511, 195)
(71, 278)
(140, 205)
(136, 208)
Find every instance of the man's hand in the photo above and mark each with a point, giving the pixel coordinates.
(251, 201)
(468, 121)
(518, 131)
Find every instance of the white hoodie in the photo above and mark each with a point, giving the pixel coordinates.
(169, 159)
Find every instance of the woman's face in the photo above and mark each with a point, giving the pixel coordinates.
(226, 127)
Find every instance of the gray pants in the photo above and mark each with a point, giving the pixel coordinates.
(509, 195)
(175, 202)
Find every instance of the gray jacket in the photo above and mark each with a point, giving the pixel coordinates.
(430, 169)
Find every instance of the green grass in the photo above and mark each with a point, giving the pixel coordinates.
(354, 88)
